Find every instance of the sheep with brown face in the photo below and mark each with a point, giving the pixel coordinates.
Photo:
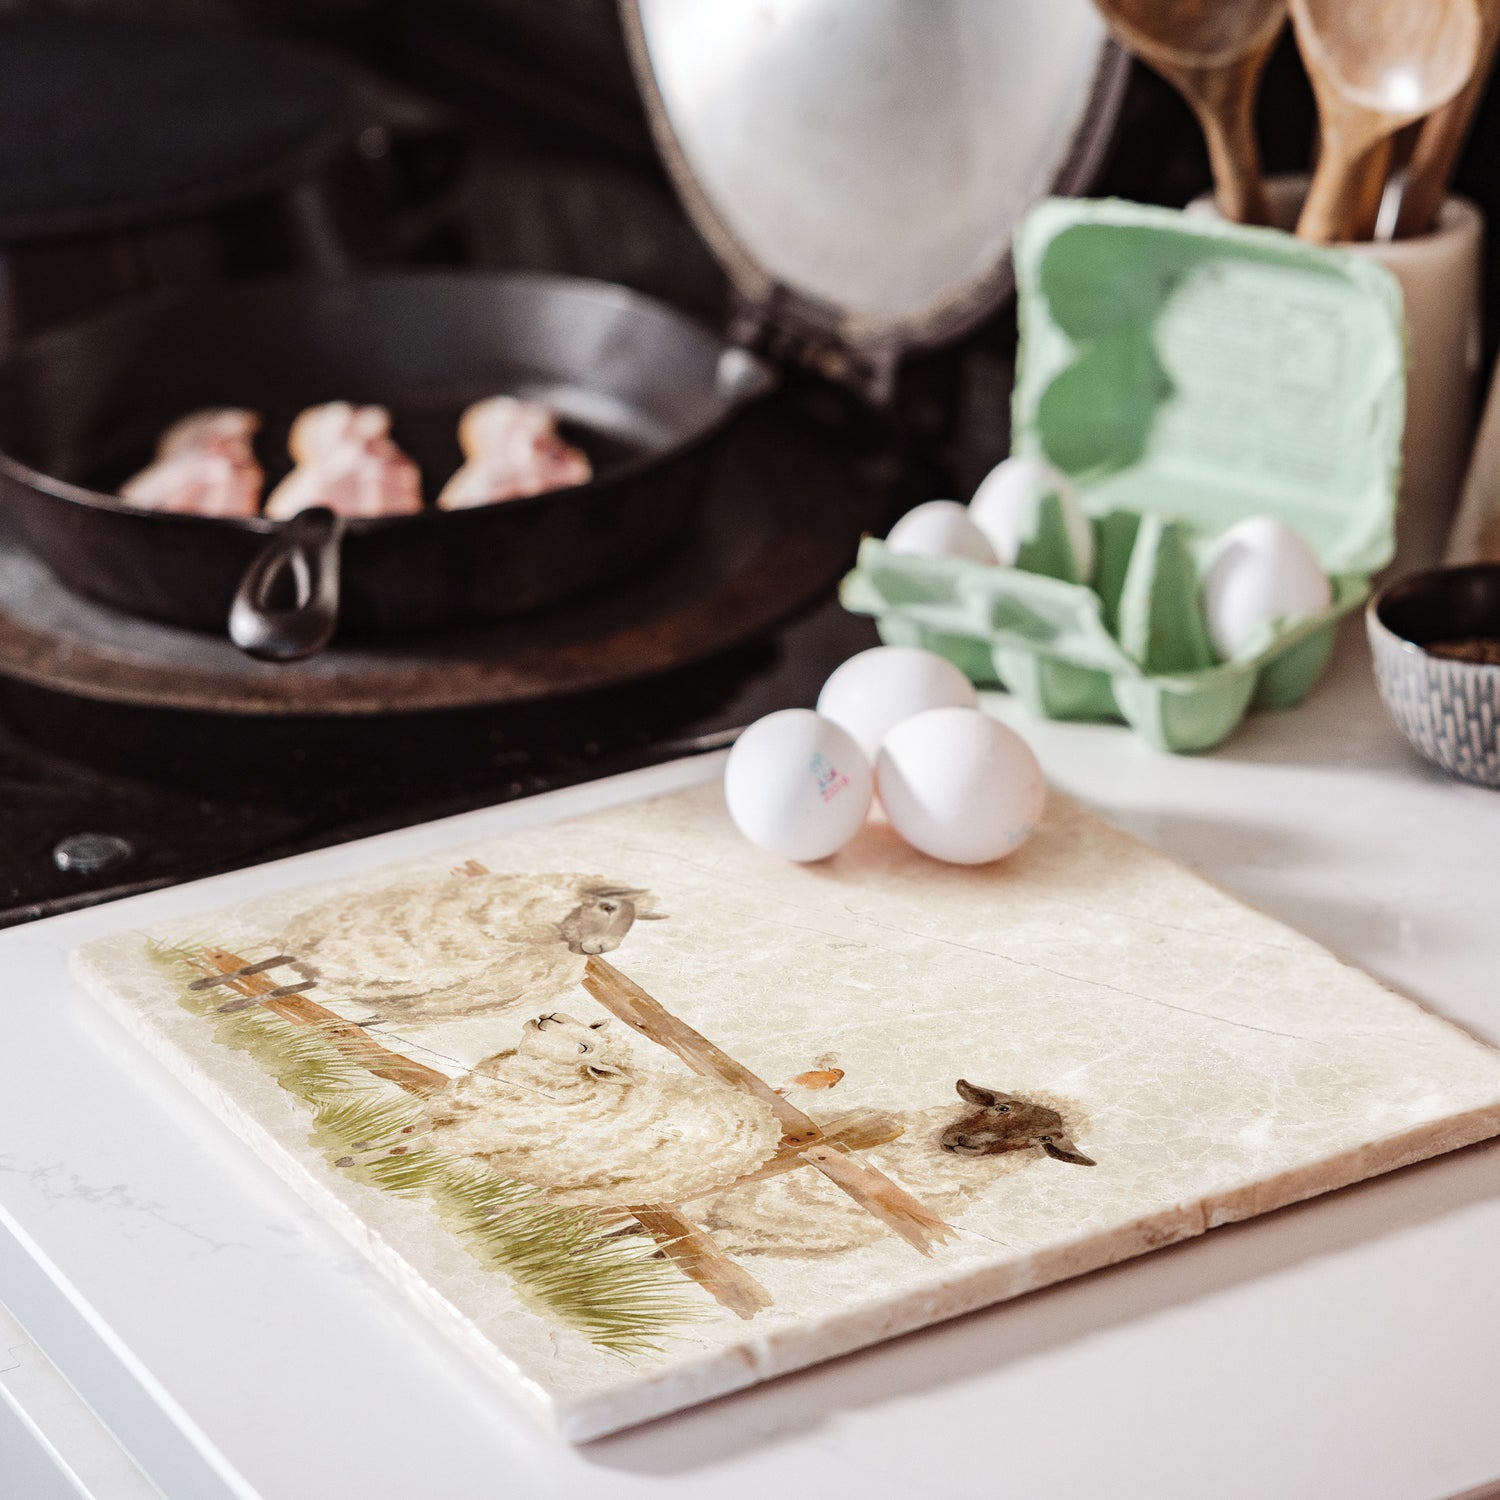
(434, 949)
(603, 916)
(1001, 1122)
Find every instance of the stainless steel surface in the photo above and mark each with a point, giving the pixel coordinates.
(90, 853)
(860, 165)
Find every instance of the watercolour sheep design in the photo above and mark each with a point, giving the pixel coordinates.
(571, 1110)
(800, 1214)
(803, 1214)
(1001, 1123)
(470, 945)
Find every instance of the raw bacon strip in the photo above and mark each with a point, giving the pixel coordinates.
(346, 460)
(512, 449)
(204, 466)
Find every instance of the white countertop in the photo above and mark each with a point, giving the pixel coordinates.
(1349, 1346)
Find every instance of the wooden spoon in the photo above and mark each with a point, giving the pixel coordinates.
(1442, 138)
(1212, 53)
(1375, 66)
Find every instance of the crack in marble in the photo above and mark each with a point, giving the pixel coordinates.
(1187, 1010)
(976, 1234)
(1198, 932)
(680, 859)
(1238, 939)
(1073, 978)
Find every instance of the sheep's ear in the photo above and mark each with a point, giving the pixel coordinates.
(985, 1098)
(1063, 1149)
(650, 916)
(609, 1070)
(599, 1025)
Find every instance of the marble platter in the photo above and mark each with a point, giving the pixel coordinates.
(1212, 1063)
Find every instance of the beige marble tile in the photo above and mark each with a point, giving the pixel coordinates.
(1212, 1063)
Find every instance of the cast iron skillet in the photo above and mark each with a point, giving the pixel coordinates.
(645, 391)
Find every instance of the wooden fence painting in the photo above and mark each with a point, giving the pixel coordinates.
(830, 1149)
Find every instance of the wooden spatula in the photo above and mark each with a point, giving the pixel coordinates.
(1375, 66)
(1442, 138)
(1212, 52)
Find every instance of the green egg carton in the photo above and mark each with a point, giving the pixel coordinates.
(1185, 374)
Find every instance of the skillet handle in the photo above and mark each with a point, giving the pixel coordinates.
(308, 545)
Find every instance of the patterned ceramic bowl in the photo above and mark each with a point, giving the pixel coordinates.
(1436, 638)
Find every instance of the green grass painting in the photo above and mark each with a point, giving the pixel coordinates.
(571, 1265)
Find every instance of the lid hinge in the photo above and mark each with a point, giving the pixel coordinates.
(789, 327)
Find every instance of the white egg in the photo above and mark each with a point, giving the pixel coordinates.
(1005, 507)
(1260, 572)
(797, 785)
(959, 786)
(874, 691)
(940, 528)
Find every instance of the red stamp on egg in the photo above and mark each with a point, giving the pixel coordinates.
(831, 780)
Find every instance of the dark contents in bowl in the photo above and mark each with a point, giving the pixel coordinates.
(1484, 650)
(1436, 643)
(1450, 612)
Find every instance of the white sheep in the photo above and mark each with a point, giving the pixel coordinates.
(803, 1214)
(464, 945)
(569, 1110)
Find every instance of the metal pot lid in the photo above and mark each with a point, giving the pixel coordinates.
(859, 166)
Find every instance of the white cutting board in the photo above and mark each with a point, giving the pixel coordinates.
(1213, 1064)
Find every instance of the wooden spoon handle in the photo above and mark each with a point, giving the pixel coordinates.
(1369, 189)
(1223, 98)
(1334, 202)
(1234, 158)
(1443, 135)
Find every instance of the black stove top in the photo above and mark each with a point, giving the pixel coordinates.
(192, 794)
(100, 799)
(175, 795)
(559, 175)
